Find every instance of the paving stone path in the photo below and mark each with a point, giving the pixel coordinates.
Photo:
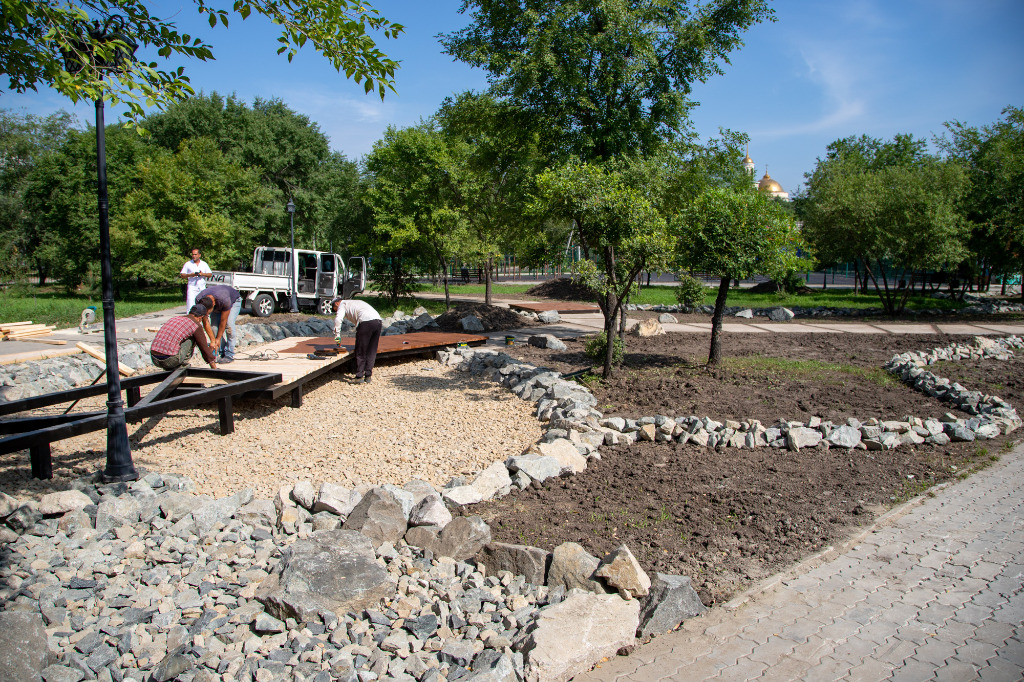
(935, 591)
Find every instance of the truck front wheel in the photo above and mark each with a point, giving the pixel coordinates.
(326, 306)
(263, 305)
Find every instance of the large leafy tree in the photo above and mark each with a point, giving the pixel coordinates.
(35, 36)
(617, 225)
(734, 234)
(993, 157)
(609, 77)
(196, 197)
(898, 219)
(25, 140)
(412, 199)
(494, 155)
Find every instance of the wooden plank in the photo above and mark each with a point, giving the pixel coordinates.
(7, 325)
(52, 342)
(102, 357)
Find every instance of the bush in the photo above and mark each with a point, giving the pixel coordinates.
(596, 347)
(690, 291)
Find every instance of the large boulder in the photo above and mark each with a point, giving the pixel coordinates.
(573, 567)
(378, 516)
(647, 327)
(463, 537)
(529, 562)
(549, 316)
(670, 601)
(62, 502)
(471, 323)
(23, 647)
(621, 570)
(780, 314)
(568, 638)
(565, 452)
(334, 570)
(548, 341)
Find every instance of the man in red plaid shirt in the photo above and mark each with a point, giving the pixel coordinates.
(177, 339)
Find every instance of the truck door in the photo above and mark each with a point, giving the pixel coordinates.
(327, 280)
(355, 282)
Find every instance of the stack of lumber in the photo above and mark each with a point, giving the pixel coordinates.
(24, 331)
(101, 356)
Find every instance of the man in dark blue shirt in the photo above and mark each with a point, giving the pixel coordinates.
(224, 303)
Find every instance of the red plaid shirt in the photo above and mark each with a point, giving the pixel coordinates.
(174, 331)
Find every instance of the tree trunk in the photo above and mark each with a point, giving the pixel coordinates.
(444, 270)
(715, 355)
(488, 265)
(609, 334)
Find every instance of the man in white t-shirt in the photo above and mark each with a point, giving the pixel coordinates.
(196, 272)
(368, 328)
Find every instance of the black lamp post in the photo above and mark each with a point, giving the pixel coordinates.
(290, 207)
(119, 454)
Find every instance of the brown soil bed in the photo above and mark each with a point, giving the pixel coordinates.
(561, 289)
(729, 518)
(493, 317)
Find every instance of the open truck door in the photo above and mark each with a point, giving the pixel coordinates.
(355, 282)
(327, 281)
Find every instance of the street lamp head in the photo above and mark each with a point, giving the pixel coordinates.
(82, 51)
(290, 206)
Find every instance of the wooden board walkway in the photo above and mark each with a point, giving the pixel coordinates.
(560, 307)
(296, 368)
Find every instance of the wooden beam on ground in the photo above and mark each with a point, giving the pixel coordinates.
(8, 325)
(52, 342)
(102, 357)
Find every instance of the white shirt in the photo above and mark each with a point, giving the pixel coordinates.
(355, 312)
(195, 282)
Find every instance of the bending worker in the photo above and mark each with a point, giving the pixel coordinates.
(178, 337)
(226, 302)
(368, 328)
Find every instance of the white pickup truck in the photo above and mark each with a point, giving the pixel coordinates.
(320, 277)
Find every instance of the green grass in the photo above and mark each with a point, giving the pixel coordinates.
(52, 305)
(477, 289)
(810, 369)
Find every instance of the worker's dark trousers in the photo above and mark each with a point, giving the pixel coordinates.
(367, 338)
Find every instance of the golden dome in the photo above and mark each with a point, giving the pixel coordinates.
(769, 185)
(747, 159)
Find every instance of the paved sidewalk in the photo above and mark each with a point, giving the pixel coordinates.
(934, 591)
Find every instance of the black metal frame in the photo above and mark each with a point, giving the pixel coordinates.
(37, 433)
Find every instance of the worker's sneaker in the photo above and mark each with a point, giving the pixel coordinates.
(368, 379)
(358, 380)
(224, 361)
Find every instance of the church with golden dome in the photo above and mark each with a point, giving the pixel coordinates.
(767, 183)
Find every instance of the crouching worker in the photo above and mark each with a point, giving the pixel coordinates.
(368, 328)
(177, 338)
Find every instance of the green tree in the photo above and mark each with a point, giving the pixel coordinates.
(734, 234)
(35, 36)
(993, 157)
(493, 158)
(615, 224)
(195, 197)
(607, 77)
(411, 197)
(24, 140)
(903, 217)
(60, 200)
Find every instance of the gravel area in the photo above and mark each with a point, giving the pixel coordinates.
(417, 419)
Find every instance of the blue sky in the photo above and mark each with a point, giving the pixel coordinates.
(823, 71)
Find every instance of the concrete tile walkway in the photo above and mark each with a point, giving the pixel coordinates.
(933, 591)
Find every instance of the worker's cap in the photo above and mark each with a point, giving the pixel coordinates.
(199, 310)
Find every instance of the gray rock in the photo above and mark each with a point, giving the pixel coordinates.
(304, 493)
(621, 570)
(780, 314)
(462, 495)
(568, 638)
(491, 480)
(802, 437)
(7, 505)
(959, 433)
(62, 673)
(331, 571)
(537, 467)
(117, 512)
(670, 601)
(378, 516)
(529, 562)
(424, 537)
(548, 341)
(54, 504)
(430, 512)
(337, 499)
(23, 648)
(549, 316)
(464, 537)
(208, 516)
(258, 513)
(471, 323)
(565, 452)
(844, 437)
(573, 567)
(172, 665)
(746, 314)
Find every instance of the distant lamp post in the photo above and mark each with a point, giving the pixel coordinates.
(290, 207)
(116, 51)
